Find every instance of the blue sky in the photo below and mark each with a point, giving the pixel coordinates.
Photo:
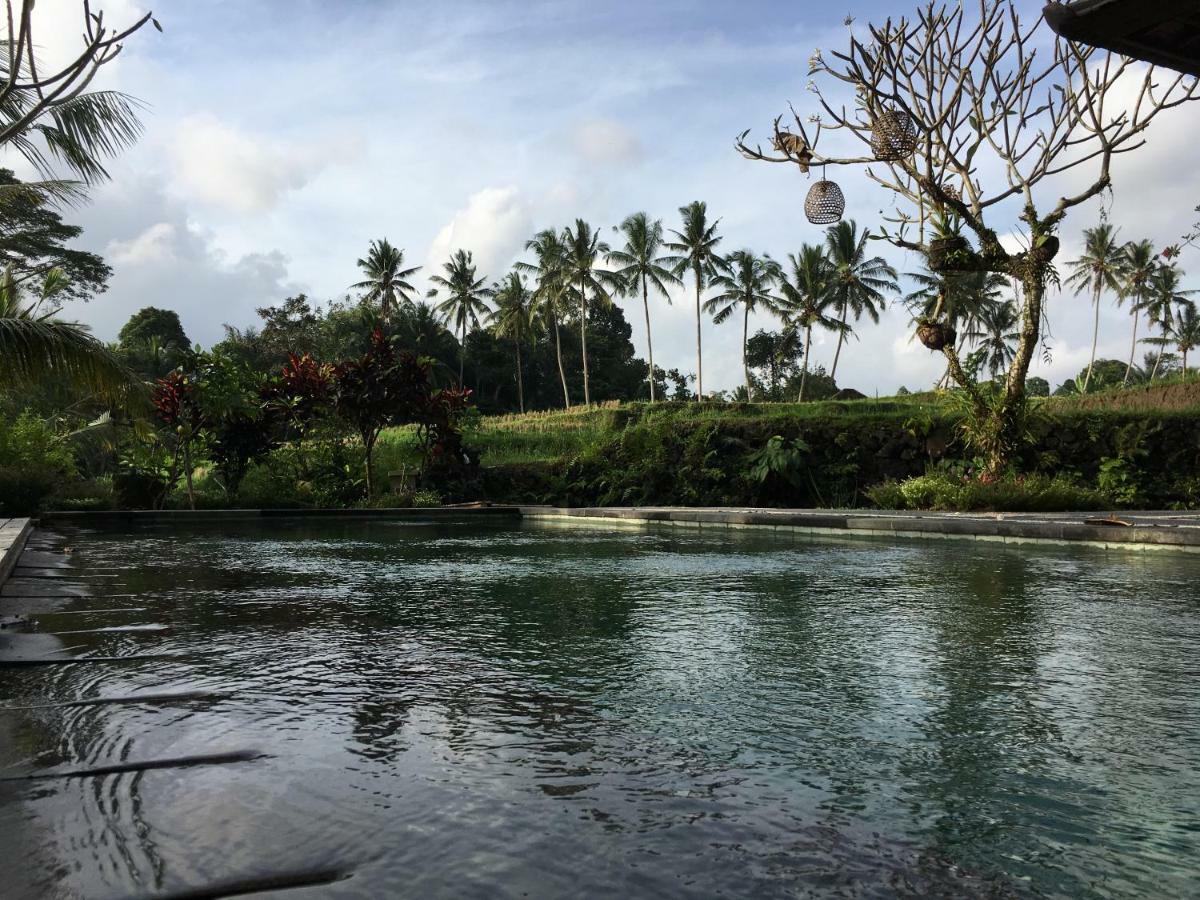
(281, 137)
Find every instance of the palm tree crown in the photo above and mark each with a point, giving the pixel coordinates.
(808, 298)
(859, 283)
(464, 300)
(550, 292)
(514, 317)
(37, 346)
(746, 284)
(1138, 265)
(1186, 332)
(386, 276)
(996, 332)
(1166, 299)
(695, 248)
(1098, 269)
(640, 267)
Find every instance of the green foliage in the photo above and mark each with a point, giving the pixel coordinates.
(34, 463)
(779, 460)
(948, 492)
(33, 240)
(153, 324)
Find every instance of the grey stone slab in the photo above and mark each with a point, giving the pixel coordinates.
(44, 559)
(44, 587)
(25, 606)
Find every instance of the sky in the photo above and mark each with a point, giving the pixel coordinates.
(282, 136)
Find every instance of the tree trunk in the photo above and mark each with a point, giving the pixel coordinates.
(462, 353)
(745, 341)
(1185, 353)
(1095, 336)
(1132, 347)
(187, 466)
(369, 452)
(520, 379)
(587, 394)
(561, 372)
(699, 356)
(804, 371)
(1161, 348)
(994, 422)
(649, 343)
(841, 337)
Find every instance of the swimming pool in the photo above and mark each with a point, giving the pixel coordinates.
(440, 709)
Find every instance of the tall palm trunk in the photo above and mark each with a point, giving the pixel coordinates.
(520, 379)
(699, 356)
(462, 352)
(558, 355)
(841, 337)
(745, 342)
(1095, 336)
(649, 343)
(1161, 348)
(1132, 347)
(587, 395)
(804, 371)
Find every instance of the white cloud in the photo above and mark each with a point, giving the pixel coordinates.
(494, 226)
(606, 142)
(154, 245)
(219, 165)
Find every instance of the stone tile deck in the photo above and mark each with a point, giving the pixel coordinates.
(13, 534)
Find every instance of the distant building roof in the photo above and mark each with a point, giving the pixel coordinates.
(1162, 32)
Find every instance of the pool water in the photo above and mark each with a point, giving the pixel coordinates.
(502, 711)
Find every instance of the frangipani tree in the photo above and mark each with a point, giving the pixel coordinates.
(962, 112)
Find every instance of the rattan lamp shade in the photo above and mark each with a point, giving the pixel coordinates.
(824, 204)
(893, 135)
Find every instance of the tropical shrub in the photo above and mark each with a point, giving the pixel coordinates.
(34, 462)
(948, 492)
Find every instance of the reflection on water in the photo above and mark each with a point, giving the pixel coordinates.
(487, 711)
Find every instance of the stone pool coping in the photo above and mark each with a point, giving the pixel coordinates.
(13, 534)
(1146, 530)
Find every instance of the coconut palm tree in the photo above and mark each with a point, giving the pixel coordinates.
(642, 267)
(808, 299)
(583, 253)
(1097, 270)
(996, 333)
(464, 299)
(695, 248)
(859, 283)
(1138, 264)
(514, 317)
(550, 292)
(36, 346)
(1166, 298)
(961, 299)
(746, 284)
(384, 267)
(1185, 332)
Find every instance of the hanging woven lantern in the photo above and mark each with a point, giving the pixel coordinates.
(893, 135)
(824, 204)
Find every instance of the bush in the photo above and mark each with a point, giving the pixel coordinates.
(34, 463)
(945, 491)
